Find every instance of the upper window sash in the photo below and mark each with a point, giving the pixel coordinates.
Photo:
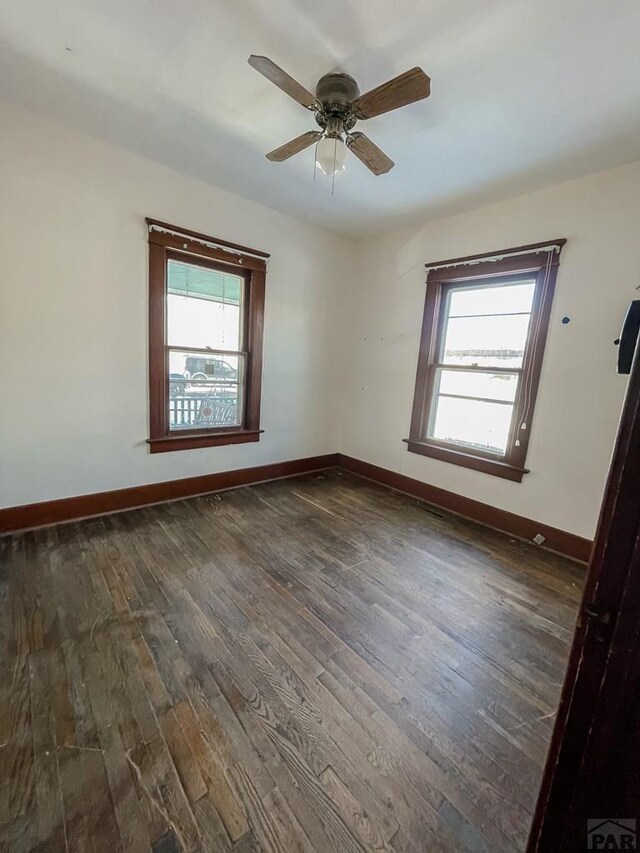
(449, 319)
(218, 292)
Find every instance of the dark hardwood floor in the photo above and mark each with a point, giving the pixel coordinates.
(315, 664)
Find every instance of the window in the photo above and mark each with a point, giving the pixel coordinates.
(206, 306)
(483, 335)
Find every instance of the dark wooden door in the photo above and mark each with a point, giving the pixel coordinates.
(593, 766)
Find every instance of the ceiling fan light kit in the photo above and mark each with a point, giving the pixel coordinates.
(331, 155)
(338, 105)
(331, 152)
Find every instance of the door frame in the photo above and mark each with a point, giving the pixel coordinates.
(604, 654)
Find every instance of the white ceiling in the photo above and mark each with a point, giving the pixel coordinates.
(525, 93)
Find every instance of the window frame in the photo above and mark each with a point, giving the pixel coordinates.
(168, 242)
(530, 262)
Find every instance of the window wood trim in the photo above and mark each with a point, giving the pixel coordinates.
(530, 262)
(191, 246)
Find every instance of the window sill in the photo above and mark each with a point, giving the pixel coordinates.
(467, 460)
(192, 441)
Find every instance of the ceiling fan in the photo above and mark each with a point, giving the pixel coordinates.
(338, 105)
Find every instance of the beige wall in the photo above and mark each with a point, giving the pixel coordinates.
(580, 394)
(73, 316)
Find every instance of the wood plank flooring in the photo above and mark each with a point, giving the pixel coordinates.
(315, 664)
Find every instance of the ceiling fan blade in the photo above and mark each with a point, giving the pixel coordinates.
(294, 146)
(282, 80)
(368, 153)
(411, 86)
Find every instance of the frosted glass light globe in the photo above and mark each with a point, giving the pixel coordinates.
(331, 155)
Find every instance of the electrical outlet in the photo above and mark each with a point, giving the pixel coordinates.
(539, 539)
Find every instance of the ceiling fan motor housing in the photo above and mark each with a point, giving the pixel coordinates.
(336, 92)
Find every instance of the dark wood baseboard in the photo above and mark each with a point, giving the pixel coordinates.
(101, 503)
(565, 543)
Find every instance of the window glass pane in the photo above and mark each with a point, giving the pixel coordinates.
(203, 307)
(500, 299)
(474, 424)
(498, 341)
(205, 390)
(490, 386)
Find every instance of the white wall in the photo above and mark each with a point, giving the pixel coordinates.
(580, 394)
(73, 316)
(342, 327)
